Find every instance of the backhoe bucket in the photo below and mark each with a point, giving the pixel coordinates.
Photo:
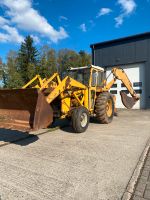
(24, 110)
(127, 101)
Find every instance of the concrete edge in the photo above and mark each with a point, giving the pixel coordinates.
(137, 172)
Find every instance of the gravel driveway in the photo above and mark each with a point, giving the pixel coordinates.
(61, 165)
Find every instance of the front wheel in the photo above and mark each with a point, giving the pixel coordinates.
(104, 108)
(80, 119)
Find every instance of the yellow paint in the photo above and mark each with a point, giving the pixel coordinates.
(65, 105)
(72, 93)
(120, 74)
(37, 77)
(109, 108)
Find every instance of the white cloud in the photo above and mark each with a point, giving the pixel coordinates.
(119, 20)
(11, 35)
(83, 27)
(63, 18)
(3, 21)
(92, 23)
(23, 16)
(36, 39)
(128, 7)
(104, 11)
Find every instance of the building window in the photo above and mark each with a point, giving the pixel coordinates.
(114, 86)
(137, 84)
(138, 91)
(113, 91)
(122, 85)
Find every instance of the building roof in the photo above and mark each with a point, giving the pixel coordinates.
(129, 38)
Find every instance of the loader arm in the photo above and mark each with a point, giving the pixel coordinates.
(120, 74)
(45, 84)
(36, 78)
(63, 85)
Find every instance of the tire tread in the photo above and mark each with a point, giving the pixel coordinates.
(100, 108)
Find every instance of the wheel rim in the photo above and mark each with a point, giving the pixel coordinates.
(84, 119)
(109, 108)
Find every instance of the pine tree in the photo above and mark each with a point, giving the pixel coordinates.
(1, 69)
(4, 76)
(27, 59)
(11, 76)
(48, 62)
(43, 61)
(51, 62)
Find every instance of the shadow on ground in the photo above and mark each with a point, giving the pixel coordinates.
(24, 138)
(65, 125)
(16, 137)
(67, 129)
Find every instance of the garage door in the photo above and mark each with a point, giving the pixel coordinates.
(135, 73)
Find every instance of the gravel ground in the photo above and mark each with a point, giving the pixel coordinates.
(61, 165)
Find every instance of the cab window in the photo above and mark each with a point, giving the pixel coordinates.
(94, 78)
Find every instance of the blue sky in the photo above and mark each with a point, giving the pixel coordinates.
(73, 24)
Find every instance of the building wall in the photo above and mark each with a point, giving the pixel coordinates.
(125, 52)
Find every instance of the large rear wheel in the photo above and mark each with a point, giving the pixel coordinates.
(80, 119)
(104, 108)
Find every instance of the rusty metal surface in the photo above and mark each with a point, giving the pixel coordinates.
(68, 81)
(24, 109)
(127, 101)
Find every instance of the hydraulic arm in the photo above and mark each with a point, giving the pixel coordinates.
(120, 74)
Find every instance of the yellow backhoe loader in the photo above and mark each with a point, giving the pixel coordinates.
(84, 92)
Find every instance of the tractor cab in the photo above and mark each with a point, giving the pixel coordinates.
(91, 76)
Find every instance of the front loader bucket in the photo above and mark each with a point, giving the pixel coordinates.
(127, 101)
(24, 110)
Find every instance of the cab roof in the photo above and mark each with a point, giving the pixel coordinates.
(87, 67)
